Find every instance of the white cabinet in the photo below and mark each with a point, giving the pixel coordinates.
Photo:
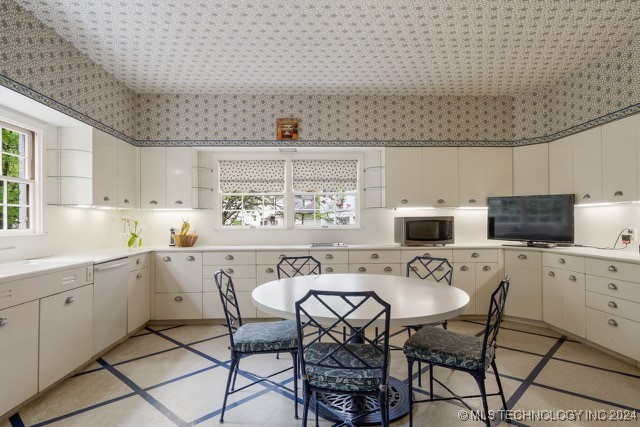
(440, 176)
(110, 292)
(531, 170)
(178, 285)
(403, 176)
(476, 273)
(128, 176)
(619, 156)
(241, 267)
(166, 178)
(179, 178)
(561, 166)
(563, 292)
(499, 171)
(105, 169)
(587, 166)
(471, 171)
(66, 326)
(573, 302)
(552, 296)
(153, 178)
(19, 367)
(525, 290)
(376, 262)
(139, 293)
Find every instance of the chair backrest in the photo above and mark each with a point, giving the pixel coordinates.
(229, 302)
(494, 317)
(438, 269)
(292, 266)
(311, 331)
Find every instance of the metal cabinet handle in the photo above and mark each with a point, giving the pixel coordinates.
(229, 257)
(105, 198)
(440, 201)
(612, 286)
(329, 270)
(70, 300)
(472, 201)
(404, 201)
(586, 196)
(612, 304)
(414, 268)
(126, 201)
(551, 274)
(229, 270)
(362, 269)
(618, 193)
(486, 268)
(178, 202)
(612, 322)
(139, 276)
(375, 256)
(328, 256)
(388, 269)
(178, 299)
(464, 268)
(166, 258)
(426, 255)
(561, 261)
(4, 321)
(269, 270)
(138, 261)
(573, 278)
(612, 268)
(475, 255)
(153, 202)
(191, 258)
(522, 256)
(282, 256)
(230, 297)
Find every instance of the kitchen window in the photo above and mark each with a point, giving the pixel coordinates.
(17, 180)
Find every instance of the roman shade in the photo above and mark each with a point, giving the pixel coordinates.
(328, 176)
(251, 176)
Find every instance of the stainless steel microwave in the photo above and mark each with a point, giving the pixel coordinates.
(423, 230)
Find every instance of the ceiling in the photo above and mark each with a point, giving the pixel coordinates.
(367, 47)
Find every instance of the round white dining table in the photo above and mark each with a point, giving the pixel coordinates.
(413, 301)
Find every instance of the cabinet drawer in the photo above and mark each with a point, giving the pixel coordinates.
(392, 269)
(212, 306)
(178, 272)
(375, 257)
(564, 262)
(178, 306)
(235, 271)
(265, 273)
(228, 258)
(273, 257)
(614, 333)
(614, 269)
(240, 284)
(331, 257)
(409, 254)
(335, 269)
(615, 306)
(615, 288)
(137, 262)
(475, 255)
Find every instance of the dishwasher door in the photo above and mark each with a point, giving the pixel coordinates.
(110, 288)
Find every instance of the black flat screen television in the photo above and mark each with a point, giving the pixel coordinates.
(544, 219)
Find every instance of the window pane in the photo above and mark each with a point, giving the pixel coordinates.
(1, 191)
(231, 202)
(13, 166)
(17, 217)
(17, 193)
(231, 218)
(252, 202)
(13, 142)
(1, 217)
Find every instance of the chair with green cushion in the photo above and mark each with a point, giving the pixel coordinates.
(345, 370)
(467, 353)
(254, 338)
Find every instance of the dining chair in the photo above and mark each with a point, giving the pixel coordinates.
(467, 353)
(292, 266)
(350, 370)
(254, 338)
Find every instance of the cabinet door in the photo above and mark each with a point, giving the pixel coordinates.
(178, 272)
(464, 277)
(110, 290)
(153, 178)
(440, 176)
(66, 326)
(486, 282)
(552, 296)
(573, 303)
(561, 166)
(531, 170)
(105, 169)
(179, 171)
(619, 153)
(587, 166)
(525, 291)
(139, 299)
(128, 176)
(471, 174)
(403, 177)
(499, 171)
(19, 367)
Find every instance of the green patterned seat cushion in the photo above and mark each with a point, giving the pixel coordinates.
(266, 336)
(343, 377)
(438, 345)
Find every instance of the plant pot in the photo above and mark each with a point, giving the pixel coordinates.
(185, 240)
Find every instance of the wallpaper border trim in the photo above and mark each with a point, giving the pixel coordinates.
(49, 102)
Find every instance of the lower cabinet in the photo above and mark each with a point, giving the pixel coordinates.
(19, 367)
(525, 289)
(479, 280)
(564, 300)
(613, 332)
(66, 327)
(139, 300)
(176, 306)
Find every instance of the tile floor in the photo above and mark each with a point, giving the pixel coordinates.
(175, 375)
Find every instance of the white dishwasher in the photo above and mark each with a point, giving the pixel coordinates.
(110, 288)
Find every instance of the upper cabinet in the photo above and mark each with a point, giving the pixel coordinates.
(587, 166)
(403, 177)
(167, 177)
(472, 165)
(619, 156)
(128, 176)
(531, 170)
(499, 171)
(440, 176)
(105, 169)
(561, 166)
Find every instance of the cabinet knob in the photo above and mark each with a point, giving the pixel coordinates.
(612, 304)
(464, 268)
(178, 299)
(230, 297)
(229, 257)
(4, 321)
(388, 269)
(269, 270)
(126, 201)
(153, 202)
(178, 202)
(618, 193)
(166, 258)
(138, 261)
(441, 268)
(612, 322)
(586, 196)
(486, 268)
(375, 256)
(362, 269)
(612, 286)
(522, 256)
(612, 268)
(561, 261)
(440, 201)
(551, 274)
(573, 278)
(191, 258)
(282, 256)
(229, 270)
(472, 201)
(328, 256)
(475, 255)
(426, 255)
(329, 270)
(139, 276)
(105, 198)
(404, 201)
(70, 300)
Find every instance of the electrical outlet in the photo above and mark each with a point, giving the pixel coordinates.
(633, 234)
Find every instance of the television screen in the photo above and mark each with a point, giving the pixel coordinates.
(546, 219)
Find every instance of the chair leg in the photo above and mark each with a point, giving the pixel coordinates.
(235, 375)
(495, 372)
(294, 356)
(419, 373)
(232, 368)
(315, 395)
(485, 406)
(305, 409)
(410, 384)
(430, 381)
(382, 402)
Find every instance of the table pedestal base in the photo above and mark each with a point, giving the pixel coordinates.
(349, 407)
